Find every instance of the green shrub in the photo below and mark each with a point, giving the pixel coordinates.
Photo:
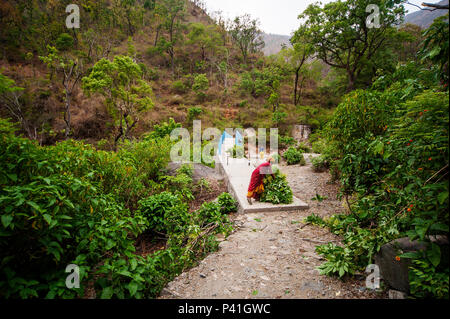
(210, 214)
(276, 189)
(427, 281)
(194, 112)
(278, 117)
(179, 87)
(64, 42)
(201, 85)
(165, 213)
(319, 146)
(227, 203)
(302, 147)
(162, 130)
(286, 141)
(294, 156)
(339, 260)
(319, 163)
(72, 204)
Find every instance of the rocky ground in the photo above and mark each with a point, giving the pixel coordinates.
(272, 255)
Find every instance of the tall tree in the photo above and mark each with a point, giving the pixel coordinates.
(171, 12)
(246, 33)
(72, 71)
(10, 98)
(127, 94)
(301, 51)
(342, 35)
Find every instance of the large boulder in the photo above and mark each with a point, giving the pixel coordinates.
(396, 272)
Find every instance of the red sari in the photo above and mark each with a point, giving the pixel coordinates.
(256, 187)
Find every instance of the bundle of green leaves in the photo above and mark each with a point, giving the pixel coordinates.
(276, 189)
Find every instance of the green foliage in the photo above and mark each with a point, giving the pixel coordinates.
(435, 47)
(227, 203)
(127, 94)
(393, 163)
(194, 112)
(276, 189)
(278, 117)
(339, 35)
(339, 260)
(285, 141)
(64, 42)
(246, 33)
(320, 163)
(302, 147)
(181, 184)
(201, 85)
(179, 87)
(261, 83)
(293, 156)
(165, 213)
(162, 130)
(210, 214)
(426, 281)
(72, 204)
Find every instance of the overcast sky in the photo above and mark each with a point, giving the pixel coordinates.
(276, 16)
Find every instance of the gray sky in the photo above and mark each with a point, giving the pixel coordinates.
(276, 16)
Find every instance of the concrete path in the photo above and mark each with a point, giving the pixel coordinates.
(238, 173)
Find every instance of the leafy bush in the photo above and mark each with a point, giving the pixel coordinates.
(179, 87)
(210, 214)
(285, 141)
(302, 147)
(72, 204)
(276, 189)
(64, 42)
(339, 260)
(162, 130)
(165, 213)
(278, 117)
(194, 112)
(260, 83)
(201, 85)
(294, 156)
(393, 161)
(426, 280)
(227, 203)
(319, 163)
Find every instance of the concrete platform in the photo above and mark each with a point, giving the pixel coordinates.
(237, 173)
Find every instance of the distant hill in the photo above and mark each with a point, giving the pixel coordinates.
(274, 43)
(425, 18)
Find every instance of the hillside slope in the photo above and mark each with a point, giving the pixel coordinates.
(425, 18)
(274, 43)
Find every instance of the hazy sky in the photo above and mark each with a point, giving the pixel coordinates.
(276, 16)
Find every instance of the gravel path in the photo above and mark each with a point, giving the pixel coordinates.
(272, 255)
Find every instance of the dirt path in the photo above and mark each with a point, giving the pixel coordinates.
(270, 255)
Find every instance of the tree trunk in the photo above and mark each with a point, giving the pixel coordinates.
(67, 114)
(351, 81)
(297, 75)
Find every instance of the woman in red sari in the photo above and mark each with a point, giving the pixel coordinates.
(256, 187)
